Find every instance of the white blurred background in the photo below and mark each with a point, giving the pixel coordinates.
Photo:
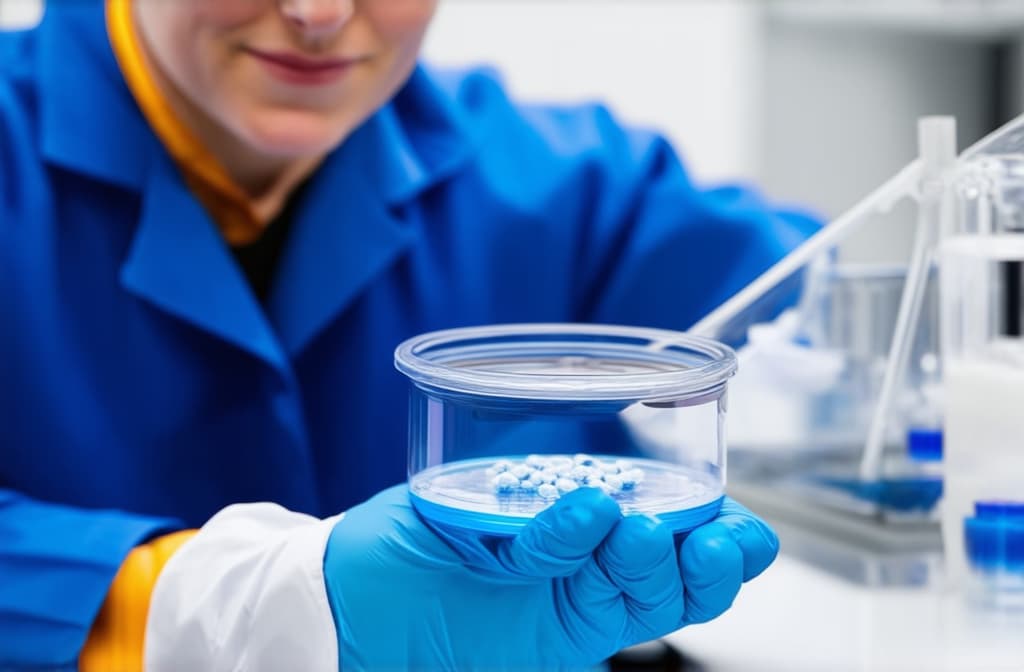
(815, 101)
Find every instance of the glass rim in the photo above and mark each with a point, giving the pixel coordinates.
(993, 247)
(666, 385)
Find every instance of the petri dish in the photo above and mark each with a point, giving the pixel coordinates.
(505, 419)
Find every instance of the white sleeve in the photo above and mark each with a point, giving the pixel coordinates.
(246, 593)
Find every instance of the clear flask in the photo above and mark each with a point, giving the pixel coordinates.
(983, 363)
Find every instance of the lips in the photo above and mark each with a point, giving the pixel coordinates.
(299, 69)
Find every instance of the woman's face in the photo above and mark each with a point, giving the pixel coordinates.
(287, 78)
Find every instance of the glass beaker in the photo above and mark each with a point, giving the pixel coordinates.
(983, 363)
(505, 419)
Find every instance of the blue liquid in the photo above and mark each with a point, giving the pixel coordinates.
(462, 494)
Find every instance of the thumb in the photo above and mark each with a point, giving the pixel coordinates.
(562, 537)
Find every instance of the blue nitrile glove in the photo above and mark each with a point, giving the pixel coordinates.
(577, 584)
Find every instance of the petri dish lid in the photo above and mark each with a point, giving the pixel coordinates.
(573, 362)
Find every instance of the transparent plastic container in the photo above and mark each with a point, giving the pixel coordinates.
(503, 420)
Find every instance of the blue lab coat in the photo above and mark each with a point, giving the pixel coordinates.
(143, 386)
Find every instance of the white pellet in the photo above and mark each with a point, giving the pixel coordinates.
(583, 459)
(501, 465)
(614, 481)
(565, 485)
(548, 491)
(521, 471)
(505, 482)
(623, 465)
(560, 462)
(536, 461)
(546, 476)
(631, 478)
(579, 473)
(608, 467)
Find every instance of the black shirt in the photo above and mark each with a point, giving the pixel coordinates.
(259, 258)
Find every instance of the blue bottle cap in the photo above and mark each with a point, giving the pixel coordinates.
(994, 536)
(924, 444)
(994, 509)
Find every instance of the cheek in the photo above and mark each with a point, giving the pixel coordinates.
(211, 39)
(197, 36)
(225, 15)
(401, 23)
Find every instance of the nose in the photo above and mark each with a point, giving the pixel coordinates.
(317, 18)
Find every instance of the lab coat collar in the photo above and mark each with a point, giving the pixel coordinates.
(179, 262)
(422, 136)
(89, 122)
(347, 229)
(344, 235)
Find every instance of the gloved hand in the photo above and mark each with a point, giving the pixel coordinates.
(577, 584)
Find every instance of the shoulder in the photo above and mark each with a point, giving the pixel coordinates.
(20, 160)
(18, 57)
(584, 136)
(483, 99)
(18, 85)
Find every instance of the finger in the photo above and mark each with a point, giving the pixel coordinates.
(756, 540)
(639, 557)
(562, 537)
(711, 564)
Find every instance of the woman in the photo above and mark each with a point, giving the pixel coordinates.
(217, 221)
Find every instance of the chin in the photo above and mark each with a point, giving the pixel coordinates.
(294, 134)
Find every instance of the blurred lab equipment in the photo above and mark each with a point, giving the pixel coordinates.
(983, 358)
(857, 414)
(994, 540)
(499, 416)
(984, 380)
(838, 400)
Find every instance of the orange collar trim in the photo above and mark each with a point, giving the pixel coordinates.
(205, 174)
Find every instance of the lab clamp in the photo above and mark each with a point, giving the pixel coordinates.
(886, 400)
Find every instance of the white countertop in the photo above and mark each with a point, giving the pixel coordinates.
(797, 618)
